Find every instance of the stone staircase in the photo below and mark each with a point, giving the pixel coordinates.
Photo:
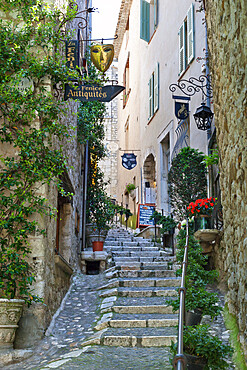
(134, 309)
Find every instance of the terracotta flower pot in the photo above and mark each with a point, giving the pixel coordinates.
(98, 246)
(10, 313)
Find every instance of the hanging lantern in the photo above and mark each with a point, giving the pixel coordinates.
(203, 117)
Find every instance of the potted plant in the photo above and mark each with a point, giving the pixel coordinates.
(130, 189)
(202, 209)
(203, 350)
(16, 278)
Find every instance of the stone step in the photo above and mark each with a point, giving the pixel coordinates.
(147, 292)
(141, 317)
(136, 254)
(157, 265)
(146, 273)
(160, 309)
(127, 243)
(150, 282)
(139, 337)
(150, 323)
(119, 260)
(119, 248)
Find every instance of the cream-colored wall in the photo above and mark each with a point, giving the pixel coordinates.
(163, 48)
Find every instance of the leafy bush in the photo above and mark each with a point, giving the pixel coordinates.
(198, 342)
(186, 180)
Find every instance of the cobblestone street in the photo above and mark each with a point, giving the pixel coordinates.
(123, 323)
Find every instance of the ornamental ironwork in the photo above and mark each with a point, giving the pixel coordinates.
(194, 85)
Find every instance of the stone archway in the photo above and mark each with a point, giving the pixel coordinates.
(149, 179)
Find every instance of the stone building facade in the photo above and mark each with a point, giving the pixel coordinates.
(227, 22)
(56, 255)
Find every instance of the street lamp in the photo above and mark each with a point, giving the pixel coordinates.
(203, 117)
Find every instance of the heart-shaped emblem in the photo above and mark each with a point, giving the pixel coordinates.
(102, 56)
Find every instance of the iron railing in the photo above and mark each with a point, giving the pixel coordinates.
(179, 361)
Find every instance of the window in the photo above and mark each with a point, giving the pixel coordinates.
(153, 86)
(149, 18)
(126, 83)
(186, 41)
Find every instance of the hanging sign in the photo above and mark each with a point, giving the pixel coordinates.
(144, 213)
(102, 56)
(72, 54)
(181, 110)
(129, 161)
(92, 92)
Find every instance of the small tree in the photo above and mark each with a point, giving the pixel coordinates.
(186, 180)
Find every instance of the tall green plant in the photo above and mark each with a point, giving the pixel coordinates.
(31, 55)
(186, 180)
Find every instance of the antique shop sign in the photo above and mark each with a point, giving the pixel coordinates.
(92, 92)
(129, 160)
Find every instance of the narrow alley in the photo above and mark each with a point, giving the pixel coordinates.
(118, 319)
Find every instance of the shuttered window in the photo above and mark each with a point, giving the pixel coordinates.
(190, 34)
(153, 88)
(186, 41)
(145, 20)
(156, 88)
(156, 3)
(151, 97)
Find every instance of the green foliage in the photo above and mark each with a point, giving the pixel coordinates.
(167, 222)
(130, 187)
(198, 342)
(186, 180)
(197, 278)
(31, 52)
(232, 326)
(212, 158)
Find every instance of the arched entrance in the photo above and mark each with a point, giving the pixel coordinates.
(149, 179)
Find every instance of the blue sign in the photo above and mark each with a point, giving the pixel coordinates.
(181, 110)
(129, 161)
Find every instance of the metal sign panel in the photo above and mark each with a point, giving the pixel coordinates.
(92, 92)
(72, 54)
(129, 161)
(144, 213)
(181, 110)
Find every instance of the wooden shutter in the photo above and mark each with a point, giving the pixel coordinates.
(145, 20)
(190, 34)
(182, 57)
(156, 2)
(156, 88)
(151, 96)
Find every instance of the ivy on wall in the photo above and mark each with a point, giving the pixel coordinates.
(31, 62)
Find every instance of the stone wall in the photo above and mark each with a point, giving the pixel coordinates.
(226, 22)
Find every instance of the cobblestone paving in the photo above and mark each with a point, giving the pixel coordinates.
(74, 323)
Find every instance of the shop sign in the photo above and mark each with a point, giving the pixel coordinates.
(92, 92)
(129, 161)
(181, 110)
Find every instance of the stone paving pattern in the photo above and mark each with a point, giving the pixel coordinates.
(123, 310)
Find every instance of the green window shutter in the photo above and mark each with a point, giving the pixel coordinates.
(156, 4)
(182, 56)
(190, 34)
(156, 88)
(145, 20)
(151, 97)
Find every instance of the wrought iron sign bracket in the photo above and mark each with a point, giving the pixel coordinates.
(193, 85)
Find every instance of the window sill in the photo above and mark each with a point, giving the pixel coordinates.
(127, 98)
(150, 120)
(63, 264)
(152, 36)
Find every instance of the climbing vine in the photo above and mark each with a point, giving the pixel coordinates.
(32, 60)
